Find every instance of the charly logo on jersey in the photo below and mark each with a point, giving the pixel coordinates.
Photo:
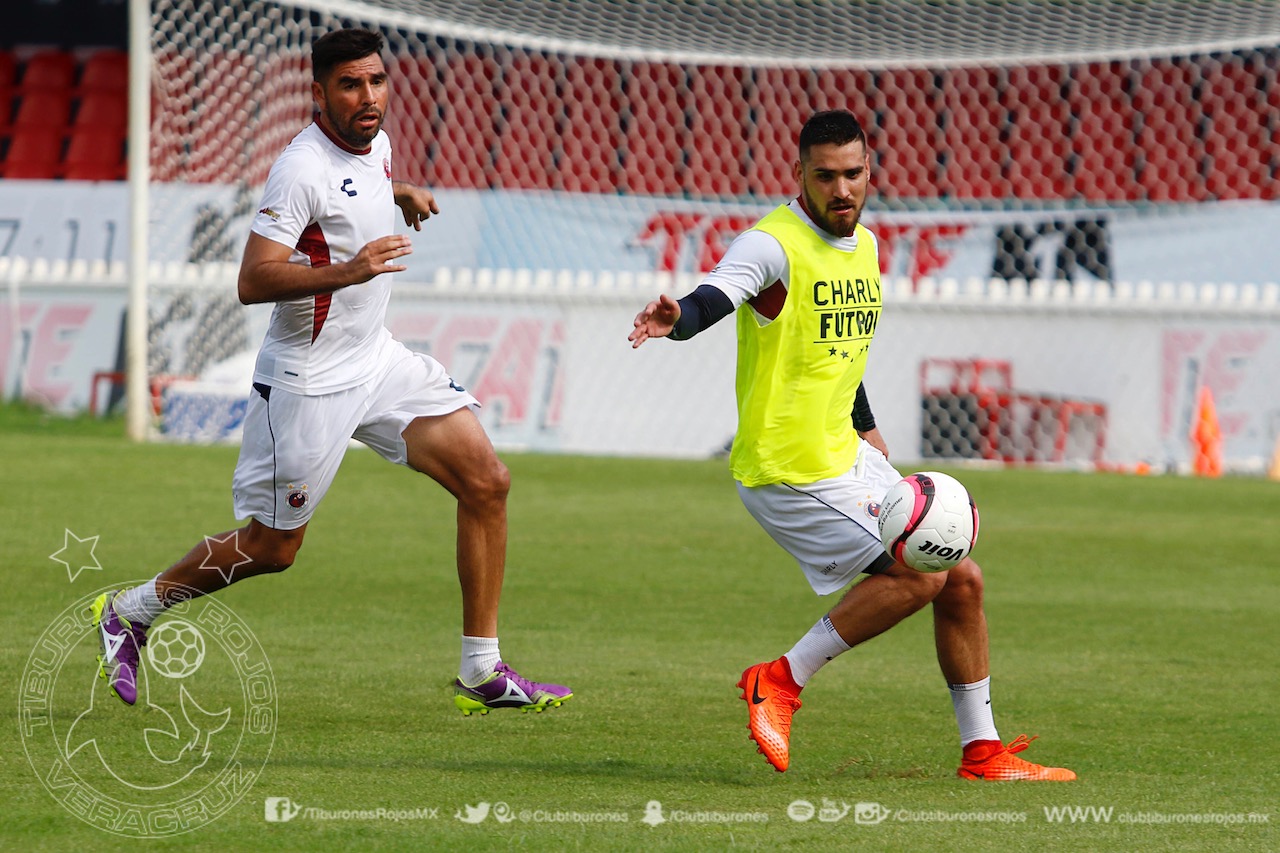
(386, 167)
(346, 183)
(847, 309)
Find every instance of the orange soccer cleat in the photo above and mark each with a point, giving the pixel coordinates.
(772, 697)
(991, 761)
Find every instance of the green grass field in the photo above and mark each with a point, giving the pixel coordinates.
(1133, 621)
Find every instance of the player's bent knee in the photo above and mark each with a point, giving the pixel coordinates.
(925, 586)
(273, 550)
(488, 483)
(964, 583)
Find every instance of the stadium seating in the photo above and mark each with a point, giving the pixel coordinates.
(779, 102)
(51, 70)
(1168, 130)
(527, 139)
(41, 105)
(95, 153)
(34, 153)
(593, 124)
(656, 135)
(975, 110)
(105, 70)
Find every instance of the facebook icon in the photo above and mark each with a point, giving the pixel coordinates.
(281, 810)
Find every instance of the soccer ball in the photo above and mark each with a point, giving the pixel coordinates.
(175, 648)
(928, 521)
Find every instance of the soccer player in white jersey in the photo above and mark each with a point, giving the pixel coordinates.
(805, 283)
(322, 248)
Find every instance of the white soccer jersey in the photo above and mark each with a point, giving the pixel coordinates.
(755, 260)
(326, 202)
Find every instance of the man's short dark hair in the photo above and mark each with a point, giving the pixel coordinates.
(332, 49)
(830, 127)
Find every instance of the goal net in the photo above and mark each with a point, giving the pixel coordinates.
(587, 155)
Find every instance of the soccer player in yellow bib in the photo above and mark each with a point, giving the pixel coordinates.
(805, 282)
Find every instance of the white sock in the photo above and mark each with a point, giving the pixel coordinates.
(140, 605)
(815, 648)
(973, 711)
(479, 657)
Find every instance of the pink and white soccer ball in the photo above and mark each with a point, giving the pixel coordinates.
(928, 521)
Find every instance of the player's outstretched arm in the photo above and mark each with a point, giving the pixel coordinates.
(267, 276)
(416, 203)
(656, 320)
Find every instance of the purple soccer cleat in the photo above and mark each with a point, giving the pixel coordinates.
(120, 644)
(506, 688)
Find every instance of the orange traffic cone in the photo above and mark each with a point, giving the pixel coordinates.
(1206, 437)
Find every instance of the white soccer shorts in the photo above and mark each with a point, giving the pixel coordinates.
(831, 526)
(293, 443)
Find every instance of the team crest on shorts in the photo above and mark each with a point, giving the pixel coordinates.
(297, 496)
(872, 508)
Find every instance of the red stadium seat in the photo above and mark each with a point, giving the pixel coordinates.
(44, 108)
(1105, 143)
(95, 154)
(977, 121)
(656, 133)
(780, 103)
(34, 153)
(8, 85)
(1169, 137)
(50, 70)
(103, 109)
(1039, 131)
(593, 129)
(908, 106)
(172, 106)
(1271, 190)
(468, 127)
(8, 71)
(413, 116)
(531, 107)
(717, 152)
(105, 70)
(222, 120)
(1237, 138)
(279, 106)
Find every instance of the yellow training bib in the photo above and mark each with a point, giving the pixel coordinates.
(797, 375)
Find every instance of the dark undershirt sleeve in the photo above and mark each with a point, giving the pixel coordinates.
(863, 420)
(700, 310)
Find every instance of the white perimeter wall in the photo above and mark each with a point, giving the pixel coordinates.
(548, 354)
